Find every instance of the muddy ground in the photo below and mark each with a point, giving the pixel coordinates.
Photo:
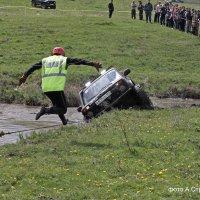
(20, 119)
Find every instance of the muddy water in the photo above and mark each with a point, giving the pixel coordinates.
(174, 102)
(20, 118)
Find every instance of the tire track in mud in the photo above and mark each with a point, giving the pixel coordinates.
(20, 119)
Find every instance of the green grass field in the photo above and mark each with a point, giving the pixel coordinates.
(164, 61)
(159, 159)
(129, 154)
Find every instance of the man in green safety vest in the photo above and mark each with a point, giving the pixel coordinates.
(54, 71)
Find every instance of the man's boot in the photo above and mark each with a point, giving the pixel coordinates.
(39, 114)
(63, 119)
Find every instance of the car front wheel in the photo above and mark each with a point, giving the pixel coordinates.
(143, 99)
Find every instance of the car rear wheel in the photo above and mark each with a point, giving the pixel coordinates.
(86, 119)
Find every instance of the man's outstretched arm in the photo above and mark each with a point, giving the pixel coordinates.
(77, 61)
(34, 67)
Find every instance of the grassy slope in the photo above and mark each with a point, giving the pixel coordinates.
(151, 51)
(94, 161)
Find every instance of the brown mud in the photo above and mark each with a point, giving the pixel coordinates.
(174, 102)
(20, 119)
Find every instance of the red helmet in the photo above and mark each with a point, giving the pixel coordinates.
(58, 51)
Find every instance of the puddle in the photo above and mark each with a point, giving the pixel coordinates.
(20, 118)
(174, 102)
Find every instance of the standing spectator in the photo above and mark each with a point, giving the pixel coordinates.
(188, 20)
(182, 19)
(176, 17)
(172, 10)
(198, 13)
(140, 9)
(133, 10)
(198, 26)
(148, 9)
(157, 12)
(194, 19)
(155, 15)
(163, 12)
(110, 8)
(194, 15)
(167, 17)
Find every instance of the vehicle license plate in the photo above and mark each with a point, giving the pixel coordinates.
(103, 98)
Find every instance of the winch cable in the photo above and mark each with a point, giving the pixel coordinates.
(44, 127)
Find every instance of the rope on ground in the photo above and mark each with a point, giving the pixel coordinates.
(44, 127)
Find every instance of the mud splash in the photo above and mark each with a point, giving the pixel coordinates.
(20, 119)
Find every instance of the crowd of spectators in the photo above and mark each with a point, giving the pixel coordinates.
(175, 16)
(166, 13)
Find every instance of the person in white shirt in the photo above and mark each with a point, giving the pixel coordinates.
(133, 10)
(157, 12)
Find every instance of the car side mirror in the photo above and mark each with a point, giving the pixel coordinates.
(127, 72)
(79, 108)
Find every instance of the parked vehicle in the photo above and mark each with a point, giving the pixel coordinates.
(44, 4)
(111, 90)
(177, 1)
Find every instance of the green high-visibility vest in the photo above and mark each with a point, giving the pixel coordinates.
(54, 73)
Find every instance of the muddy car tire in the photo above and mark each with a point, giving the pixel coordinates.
(143, 99)
(86, 119)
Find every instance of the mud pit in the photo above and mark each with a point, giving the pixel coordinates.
(20, 119)
(174, 102)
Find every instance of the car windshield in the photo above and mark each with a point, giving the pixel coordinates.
(100, 84)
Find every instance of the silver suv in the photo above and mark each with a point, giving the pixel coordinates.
(111, 90)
